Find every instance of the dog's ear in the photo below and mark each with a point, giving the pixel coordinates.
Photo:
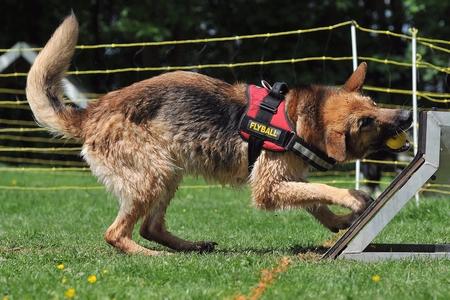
(356, 80)
(335, 145)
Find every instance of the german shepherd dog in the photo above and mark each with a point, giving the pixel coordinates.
(142, 139)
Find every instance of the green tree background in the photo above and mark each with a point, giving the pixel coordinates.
(120, 21)
(146, 20)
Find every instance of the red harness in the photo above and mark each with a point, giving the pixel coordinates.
(265, 125)
(275, 132)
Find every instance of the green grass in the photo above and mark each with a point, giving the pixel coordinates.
(40, 229)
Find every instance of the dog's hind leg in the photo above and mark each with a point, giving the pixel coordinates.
(134, 191)
(119, 234)
(154, 229)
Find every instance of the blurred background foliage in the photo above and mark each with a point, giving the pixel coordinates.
(120, 21)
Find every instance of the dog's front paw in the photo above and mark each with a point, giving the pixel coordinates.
(342, 224)
(361, 201)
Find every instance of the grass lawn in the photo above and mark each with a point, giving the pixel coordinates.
(42, 229)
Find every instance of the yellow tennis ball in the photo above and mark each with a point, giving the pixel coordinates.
(396, 142)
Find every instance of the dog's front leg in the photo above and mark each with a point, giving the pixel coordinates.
(329, 219)
(300, 194)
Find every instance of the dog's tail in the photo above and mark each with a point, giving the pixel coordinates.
(44, 87)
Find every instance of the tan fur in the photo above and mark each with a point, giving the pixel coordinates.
(140, 141)
(44, 80)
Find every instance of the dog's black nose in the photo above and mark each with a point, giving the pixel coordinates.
(405, 118)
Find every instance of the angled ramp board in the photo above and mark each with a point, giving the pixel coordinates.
(431, 162)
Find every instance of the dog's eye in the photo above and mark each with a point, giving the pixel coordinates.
(364, 122)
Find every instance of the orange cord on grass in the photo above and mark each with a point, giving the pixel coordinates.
(267, 278)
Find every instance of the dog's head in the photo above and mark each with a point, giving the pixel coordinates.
(350, 125)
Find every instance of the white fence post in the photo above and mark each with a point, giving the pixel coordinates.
(355, 65)
(414, 94)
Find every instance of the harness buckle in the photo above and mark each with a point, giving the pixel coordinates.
(268, 108)
(289, 140)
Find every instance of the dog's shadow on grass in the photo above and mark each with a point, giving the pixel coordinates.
(294, 250)
(298, 249)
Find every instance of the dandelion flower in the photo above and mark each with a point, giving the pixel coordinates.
(92, 279)
(69, 293)
(376, 278)
(5, 297)
(60, 266)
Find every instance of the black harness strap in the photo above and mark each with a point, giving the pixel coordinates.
(254, 150)
(311, 154)
(267, 109)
